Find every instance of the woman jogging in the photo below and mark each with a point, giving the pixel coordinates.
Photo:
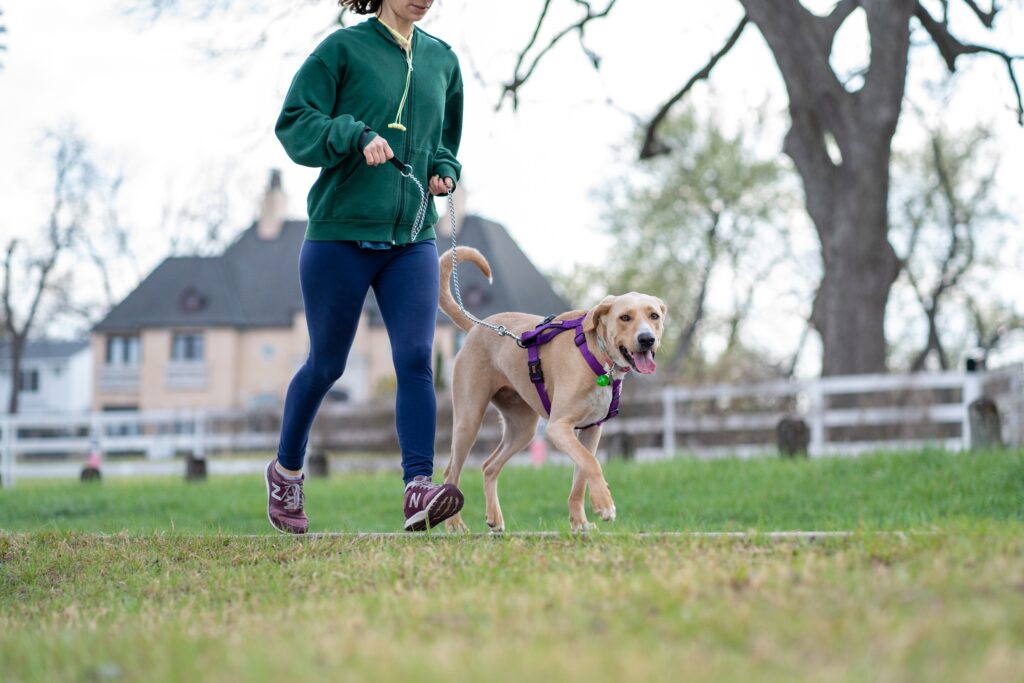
(366, 93)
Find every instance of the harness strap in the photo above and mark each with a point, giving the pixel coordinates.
(544, 332)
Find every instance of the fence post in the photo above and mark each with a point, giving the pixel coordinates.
(1016, 411)
(971, 390)
(668, 422)
(96, 432)
(816, 417)
(11, 441)
(199, 432)
(6, 453)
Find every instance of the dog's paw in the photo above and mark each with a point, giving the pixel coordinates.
(496, 527)
(455, 525)
(602, 503)
(580, 528)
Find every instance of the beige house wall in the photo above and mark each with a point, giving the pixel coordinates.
(267, 361)
(244, 367)
(220, 347)
(108, 399)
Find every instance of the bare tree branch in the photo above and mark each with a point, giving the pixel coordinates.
(652, 146)
(6, 293)
(512, 89)
(986, 18)
(689, 333)
(840, 13)
(951, 47)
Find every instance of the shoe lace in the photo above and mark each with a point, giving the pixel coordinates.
(294, 498)
(424, 484)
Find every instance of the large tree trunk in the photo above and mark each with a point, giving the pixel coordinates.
(846, 198)
(859, 269)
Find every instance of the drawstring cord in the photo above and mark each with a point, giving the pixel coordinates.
(406, 44)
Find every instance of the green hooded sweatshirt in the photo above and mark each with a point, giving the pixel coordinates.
(353, 83)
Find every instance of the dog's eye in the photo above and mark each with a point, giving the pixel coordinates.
(654, 316)
(625, 318)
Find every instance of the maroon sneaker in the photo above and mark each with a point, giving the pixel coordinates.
(428, 504)
(285, 502)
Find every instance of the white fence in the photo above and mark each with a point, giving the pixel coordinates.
(904, 402)
(848, 414)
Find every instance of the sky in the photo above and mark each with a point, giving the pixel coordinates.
(181, 126)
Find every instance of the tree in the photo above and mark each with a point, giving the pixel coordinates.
(944, 213)
(840, 140)
(38, 276)
(711, 206)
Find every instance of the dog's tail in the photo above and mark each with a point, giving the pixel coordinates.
(447, 302)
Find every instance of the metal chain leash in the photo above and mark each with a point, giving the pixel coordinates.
(421, 211)
(417, 225)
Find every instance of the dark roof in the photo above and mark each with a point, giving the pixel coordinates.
(518, 285)
(46, 349)
(255, 283)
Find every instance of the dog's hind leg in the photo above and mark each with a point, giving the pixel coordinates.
(469, 403)
(589, 438)
(519, 424)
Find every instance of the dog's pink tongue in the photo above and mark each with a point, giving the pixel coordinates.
(645, 363)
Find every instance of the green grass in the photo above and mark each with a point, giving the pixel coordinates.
(885, 491)
(177, 593)
(943, 607)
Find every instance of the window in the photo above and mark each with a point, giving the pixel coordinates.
(123, 349)
(187, 346)
(30, 381)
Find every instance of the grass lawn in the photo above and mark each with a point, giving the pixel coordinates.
(885, 491)
(174, 592)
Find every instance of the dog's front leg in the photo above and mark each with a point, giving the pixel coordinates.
(562, 434)
(589, 439)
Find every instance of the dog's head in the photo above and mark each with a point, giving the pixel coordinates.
(630, 326)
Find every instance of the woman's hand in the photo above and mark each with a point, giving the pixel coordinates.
(440, 187)
(377, 151)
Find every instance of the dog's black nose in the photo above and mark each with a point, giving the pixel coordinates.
(646, 341)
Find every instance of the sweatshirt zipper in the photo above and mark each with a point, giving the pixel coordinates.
(408, 132)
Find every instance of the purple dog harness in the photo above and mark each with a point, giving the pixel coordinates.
(545, 332)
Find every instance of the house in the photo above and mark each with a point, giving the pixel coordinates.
(56, 377)
(229, 331)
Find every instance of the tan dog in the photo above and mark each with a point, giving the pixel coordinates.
(492, 368)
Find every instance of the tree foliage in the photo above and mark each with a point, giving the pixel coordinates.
(951, 229)
(710, 211)
(81, 238)
(840, 138)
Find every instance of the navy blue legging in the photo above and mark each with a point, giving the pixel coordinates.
(335, 277)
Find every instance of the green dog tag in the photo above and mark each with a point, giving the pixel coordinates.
(603, 380)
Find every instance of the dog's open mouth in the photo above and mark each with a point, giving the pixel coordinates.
(642, 362)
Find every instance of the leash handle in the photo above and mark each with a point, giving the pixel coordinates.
(400, 165)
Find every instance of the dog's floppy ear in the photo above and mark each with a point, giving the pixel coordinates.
(590, 322)
(662, 305)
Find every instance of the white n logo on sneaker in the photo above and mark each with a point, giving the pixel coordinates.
(415, 499)
(276, 493)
